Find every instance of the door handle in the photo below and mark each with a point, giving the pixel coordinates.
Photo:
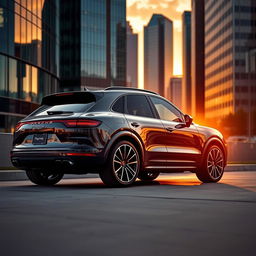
(134, 124)
(170, 129)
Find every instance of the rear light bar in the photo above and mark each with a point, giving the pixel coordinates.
(76, 123)
(80, 154)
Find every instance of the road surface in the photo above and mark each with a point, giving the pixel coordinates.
(174, 215)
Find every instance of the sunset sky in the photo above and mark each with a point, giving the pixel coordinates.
(139, 13)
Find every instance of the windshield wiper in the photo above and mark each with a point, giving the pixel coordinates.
(59, 112)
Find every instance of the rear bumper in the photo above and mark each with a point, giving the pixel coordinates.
(63, 161)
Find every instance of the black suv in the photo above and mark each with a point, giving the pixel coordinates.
(120, 133)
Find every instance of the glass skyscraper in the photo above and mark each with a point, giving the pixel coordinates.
(158, 54)
(29, 56)
(131, 57)
(186, 62)
(197, 60)
(93, 44)
(230, 34)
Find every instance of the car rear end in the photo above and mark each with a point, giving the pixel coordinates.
(60, 135)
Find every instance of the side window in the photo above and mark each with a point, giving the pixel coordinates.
(166, 111)
(138, 105)
(119, 105)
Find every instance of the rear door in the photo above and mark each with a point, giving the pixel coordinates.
(182, 142)
(143, 122)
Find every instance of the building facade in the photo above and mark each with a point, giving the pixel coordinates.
(186, 62)
(29, 57)
(176, 92)
(93, 44)
(131, 57)
(197, 60)
(158, 54)
(230, 35)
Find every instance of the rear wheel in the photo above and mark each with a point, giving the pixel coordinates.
(148, 176)
(213, 165)
(45, 178)
(123, 165)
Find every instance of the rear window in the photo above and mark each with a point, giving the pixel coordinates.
(65, 108)
(74, 102)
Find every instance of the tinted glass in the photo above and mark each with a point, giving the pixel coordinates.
(138, 105)
(119, 105)
(166, 111)
(75, 108)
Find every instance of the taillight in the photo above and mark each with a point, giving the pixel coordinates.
(18, 125)
(81, 123)
(68, 123)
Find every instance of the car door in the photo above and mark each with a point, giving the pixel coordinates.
(149, 129)
(182, 142)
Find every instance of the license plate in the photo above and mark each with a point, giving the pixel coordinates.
(40, 139)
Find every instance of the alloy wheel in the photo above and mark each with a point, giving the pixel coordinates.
(215, 163)
(125, 163)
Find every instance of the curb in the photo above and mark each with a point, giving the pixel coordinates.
(18, 175)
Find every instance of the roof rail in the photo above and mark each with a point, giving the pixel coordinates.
(128, 88)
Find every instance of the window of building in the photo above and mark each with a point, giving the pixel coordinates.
(138, 105)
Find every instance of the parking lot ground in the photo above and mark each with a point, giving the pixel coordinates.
(174, 215)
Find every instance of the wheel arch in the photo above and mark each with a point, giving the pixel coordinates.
(128, 136)
(214, 141)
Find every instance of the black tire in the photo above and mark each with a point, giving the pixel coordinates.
(123, 165)
(213, 165)
(44, 178)
(148, 176)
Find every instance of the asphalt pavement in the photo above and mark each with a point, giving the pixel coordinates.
(174, 215)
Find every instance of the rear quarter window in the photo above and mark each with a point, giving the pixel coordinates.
(119, 105)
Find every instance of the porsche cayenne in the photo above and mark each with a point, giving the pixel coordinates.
(121, 133)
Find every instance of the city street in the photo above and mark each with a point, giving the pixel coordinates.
(174, 215)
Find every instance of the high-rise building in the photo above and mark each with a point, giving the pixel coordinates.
(158, 54)
(29, 57)
(230, 35)
(176, 92)
(93, 44)
(197, 60)
(186, 62)
(131, 57)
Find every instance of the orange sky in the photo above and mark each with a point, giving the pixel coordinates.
(139, 13)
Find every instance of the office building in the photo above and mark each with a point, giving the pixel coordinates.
(158, 54)
(93, 44)
(186, 62)
(131, 57)
(176, 92)
(197, 60)
(230, 35)
(29, 57)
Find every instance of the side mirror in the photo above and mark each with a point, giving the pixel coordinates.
(188, 120)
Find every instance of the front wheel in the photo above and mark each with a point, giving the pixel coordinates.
(123, 165)
(148, 176)
(45, 178)
(213, 165)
